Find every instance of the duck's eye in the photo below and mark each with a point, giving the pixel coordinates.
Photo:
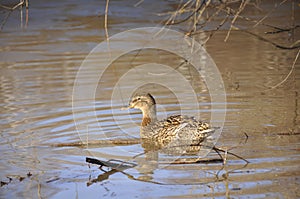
(136, 99)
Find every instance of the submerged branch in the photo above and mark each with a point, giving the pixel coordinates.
(99, 142)
(280, 30)
(120, 166)
(295, 45)
(195, 161)
(230, 153)
(113, 164)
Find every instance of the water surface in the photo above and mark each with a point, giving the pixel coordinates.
(38, 69)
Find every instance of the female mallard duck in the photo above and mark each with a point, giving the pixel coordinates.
(177, 128)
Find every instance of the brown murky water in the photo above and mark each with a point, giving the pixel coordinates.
(38, 69)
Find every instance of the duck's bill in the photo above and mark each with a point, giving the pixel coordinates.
(125, 108)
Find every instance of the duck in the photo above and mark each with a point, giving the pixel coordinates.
(175, 129)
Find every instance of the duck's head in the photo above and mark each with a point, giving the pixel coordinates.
(147, 104)
(142, 101)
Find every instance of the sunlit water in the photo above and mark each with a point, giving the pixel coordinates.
(38, 69)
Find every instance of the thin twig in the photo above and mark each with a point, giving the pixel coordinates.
(295, 45)
(283, 30)
(5, 20)
(188, 17)
(227, 152)
(213, 31)
(275, 7)
(225, 156)
(211, 17)
(138, 3)
(21, 3)
(11, 9)
(246, 136)
(288, 75)
(242, 6)
(233, 12)
(200, 13)
(27, 13)
(180, 9)
(105, 20)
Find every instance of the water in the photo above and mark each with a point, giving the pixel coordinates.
(38, 69)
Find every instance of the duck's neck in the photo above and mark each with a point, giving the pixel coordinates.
(149, 115)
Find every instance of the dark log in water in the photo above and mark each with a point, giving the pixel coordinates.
(99, 142)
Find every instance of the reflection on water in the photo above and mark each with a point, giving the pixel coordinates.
(38, 68)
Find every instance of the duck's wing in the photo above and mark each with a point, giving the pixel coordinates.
(180, 127)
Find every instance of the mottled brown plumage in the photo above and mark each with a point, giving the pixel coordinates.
(174, 130)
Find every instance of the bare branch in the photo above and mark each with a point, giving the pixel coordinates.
(105, 20)
(242, 7)
(288, 75)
